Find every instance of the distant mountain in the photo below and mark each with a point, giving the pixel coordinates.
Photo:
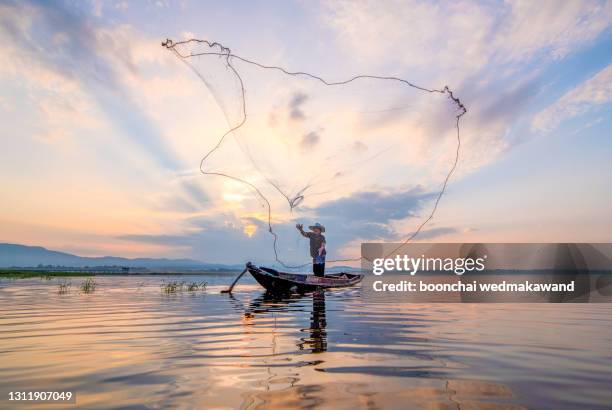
(13, 255)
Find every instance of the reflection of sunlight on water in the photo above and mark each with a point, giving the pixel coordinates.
(451, 394)
(128, 344)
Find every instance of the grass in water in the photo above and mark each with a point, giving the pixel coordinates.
(88, 286)
(194, 286)
(64, 287)
(175, 287)
(172, 287)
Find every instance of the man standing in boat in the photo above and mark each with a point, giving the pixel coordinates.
(317, 247)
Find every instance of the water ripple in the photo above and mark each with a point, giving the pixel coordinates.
(129, 345)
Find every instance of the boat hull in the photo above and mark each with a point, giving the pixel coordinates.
(282, 282)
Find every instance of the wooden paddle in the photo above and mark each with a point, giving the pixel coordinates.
(229, 290)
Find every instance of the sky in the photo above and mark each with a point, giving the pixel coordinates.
(102, 130)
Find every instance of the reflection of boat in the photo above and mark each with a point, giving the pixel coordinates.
(269, 302)
(282, 282)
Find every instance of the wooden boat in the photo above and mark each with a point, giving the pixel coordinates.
(282, 282)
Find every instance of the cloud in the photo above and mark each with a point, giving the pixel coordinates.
(365, 216)
(194, 191)
(221, 239)
(94, 70)
(188, 198)
(494, 55)
(507, 104)
(549, 28)
(88, 81)
(122, 6)
(359, 147)
(467, 35)
(595, 91)
(375, 207)
(167, 240)
(310, 140)
(174, 203)
(295, 106)
(370, 215)
(48, 40)
(436, 232)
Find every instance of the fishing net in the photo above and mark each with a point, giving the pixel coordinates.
(370, 155)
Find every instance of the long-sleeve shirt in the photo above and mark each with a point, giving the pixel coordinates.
(316, 241)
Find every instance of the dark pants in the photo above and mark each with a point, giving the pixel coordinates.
(318, 269)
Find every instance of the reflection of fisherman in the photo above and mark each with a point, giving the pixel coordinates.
(318, 334)
(317, 247)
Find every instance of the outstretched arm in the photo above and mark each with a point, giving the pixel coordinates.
(300, 228)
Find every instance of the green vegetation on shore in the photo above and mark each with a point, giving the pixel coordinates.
(26, 274)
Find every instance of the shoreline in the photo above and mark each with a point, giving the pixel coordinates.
(31, 274)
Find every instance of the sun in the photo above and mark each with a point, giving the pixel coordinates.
(250, 230)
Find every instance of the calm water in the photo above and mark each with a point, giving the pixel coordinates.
(128, 345)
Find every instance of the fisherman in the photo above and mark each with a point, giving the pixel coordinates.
(317, 247)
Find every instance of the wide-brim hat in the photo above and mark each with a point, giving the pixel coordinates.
(318, 226)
